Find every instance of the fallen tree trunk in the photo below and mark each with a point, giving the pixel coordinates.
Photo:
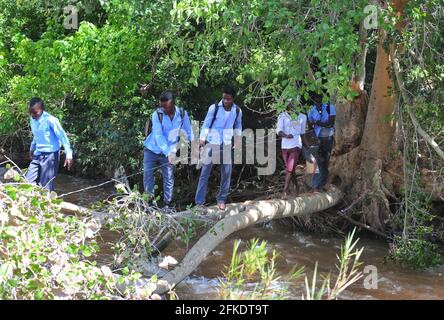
(238, 216)
(252, 213)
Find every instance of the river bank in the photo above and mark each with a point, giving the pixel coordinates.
(295, 248)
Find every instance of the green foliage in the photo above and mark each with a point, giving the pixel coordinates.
(348, 273)
(415, 248)
(255, 265)
(413, 225)
(45, 254)
(416, 252)
(95, 72)
(423, 66)
(90, 77)
(141, 226)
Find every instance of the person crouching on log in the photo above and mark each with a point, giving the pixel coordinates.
(322, 118)
(222, 125)
(292, 132)
(48, 137)
(160, 146)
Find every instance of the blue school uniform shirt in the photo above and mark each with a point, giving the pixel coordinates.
(323, 116)
(49, 135)
(222, 130)
(163, 137)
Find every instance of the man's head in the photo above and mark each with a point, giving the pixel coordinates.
(167, 101)
(36, 107)
(293, 104)
(317, 99)
(290, 105)
(228, 97)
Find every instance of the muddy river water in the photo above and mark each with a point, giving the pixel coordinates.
(295, 248)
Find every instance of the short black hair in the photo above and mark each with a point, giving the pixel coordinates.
(167, 96)
(36, 100)
(230, 90)
(315, 96)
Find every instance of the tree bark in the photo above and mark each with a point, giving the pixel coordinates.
(237, 216)
(367, 161)
(252, 213)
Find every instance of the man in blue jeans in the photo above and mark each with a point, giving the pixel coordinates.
(161, 145)
(223, 121)
(44, 153)
(322, 118)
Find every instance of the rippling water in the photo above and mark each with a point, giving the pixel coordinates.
(295, 249)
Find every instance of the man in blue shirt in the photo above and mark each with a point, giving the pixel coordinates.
(322, 118)
(161, 144)
(223, 121)
(44, 153)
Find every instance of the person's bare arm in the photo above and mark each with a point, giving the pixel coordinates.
(304, 140)
(332, 120)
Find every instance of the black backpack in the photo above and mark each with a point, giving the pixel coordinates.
(149, 123)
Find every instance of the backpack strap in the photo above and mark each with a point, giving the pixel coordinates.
(160, 116)
(216, 110)
(237, 116)
(149, 123)
(182, 116)
(147, 127)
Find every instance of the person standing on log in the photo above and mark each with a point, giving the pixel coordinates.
(292, 132)
(322, 118)
(222, 125)
(48, 137)
(162, 137)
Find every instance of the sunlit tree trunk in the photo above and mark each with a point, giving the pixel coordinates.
(370, 155)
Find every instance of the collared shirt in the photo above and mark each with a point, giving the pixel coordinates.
(164, 136)
(222, 129)
(49, 135)
(323, 116)
(294, 127)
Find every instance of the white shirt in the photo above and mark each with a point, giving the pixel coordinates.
(294, 127)
(222, 130)
(227, 115)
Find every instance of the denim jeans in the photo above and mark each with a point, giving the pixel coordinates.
(322, 159)
(218, 154)
(151, 161)
(43, 169)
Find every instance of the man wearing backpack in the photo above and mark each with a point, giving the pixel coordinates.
(161, 144)
(221, 126)
(322, 118)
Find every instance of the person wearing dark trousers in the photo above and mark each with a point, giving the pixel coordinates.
(161, 144)
(48, 137)
(222, 123)
(322, 118)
